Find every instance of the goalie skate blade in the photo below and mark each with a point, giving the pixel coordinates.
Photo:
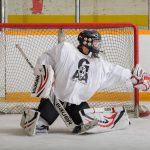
(83, 128)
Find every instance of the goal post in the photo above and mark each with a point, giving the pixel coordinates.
(119, 44)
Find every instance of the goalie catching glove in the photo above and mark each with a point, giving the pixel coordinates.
(44, 78)
(140, 79)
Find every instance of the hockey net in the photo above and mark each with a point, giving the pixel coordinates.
(119, 45)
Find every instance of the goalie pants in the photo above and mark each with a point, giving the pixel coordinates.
(49, 113)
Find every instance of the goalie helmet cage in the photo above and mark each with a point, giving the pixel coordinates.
(119, 45)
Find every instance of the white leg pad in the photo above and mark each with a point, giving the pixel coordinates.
(29, 121)
(109, 118)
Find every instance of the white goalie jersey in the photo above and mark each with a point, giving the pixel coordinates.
(79, 76)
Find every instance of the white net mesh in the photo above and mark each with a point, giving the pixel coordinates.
(16, 76)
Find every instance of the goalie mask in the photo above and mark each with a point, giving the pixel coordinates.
(91, 40)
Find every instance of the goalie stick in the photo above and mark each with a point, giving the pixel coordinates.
(24, 55)
(80, 129)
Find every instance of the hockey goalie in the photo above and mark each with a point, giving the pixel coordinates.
(65, 79)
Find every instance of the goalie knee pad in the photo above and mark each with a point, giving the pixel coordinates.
(109, 118)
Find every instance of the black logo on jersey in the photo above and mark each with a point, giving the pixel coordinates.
(82, 73)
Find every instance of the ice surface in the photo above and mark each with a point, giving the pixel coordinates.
(12, 137)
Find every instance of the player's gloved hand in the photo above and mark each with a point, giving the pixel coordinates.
(140, 79)
(145, 86)
(44, 78)
(137, 75)
(39, 70)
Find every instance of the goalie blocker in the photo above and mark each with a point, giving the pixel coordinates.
(43, 81)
